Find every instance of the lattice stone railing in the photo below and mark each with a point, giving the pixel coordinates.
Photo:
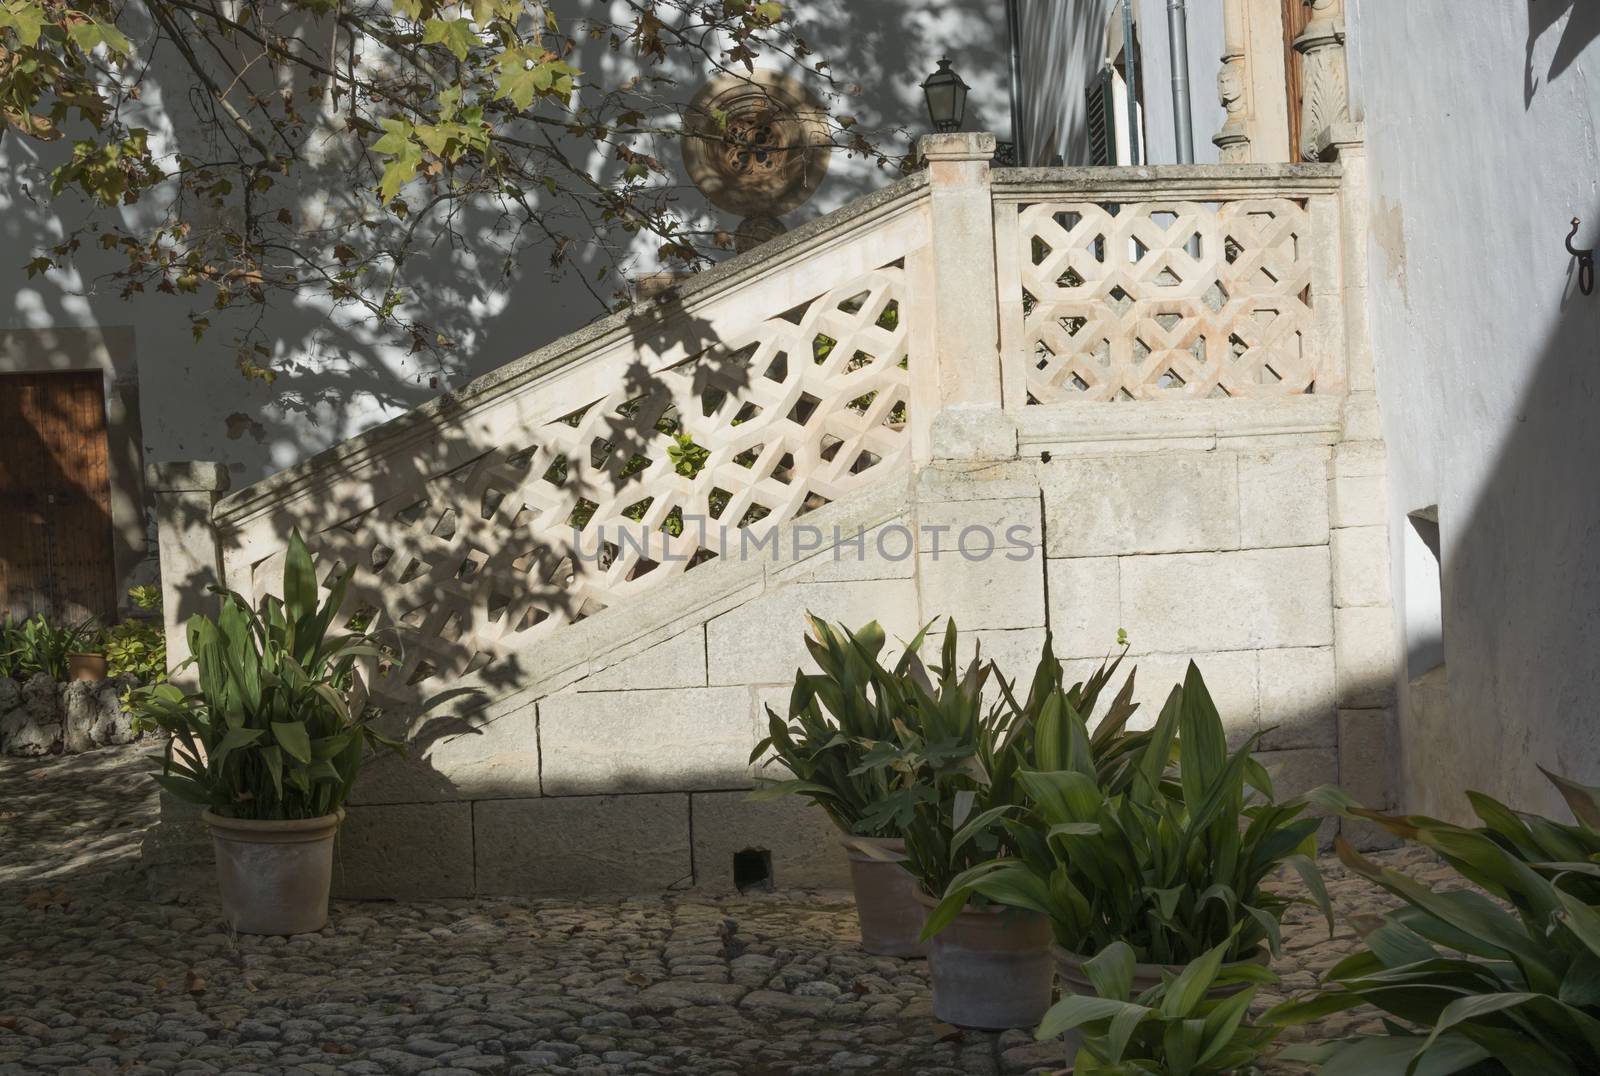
(641, 448)
(1147, 293)
(484, 524)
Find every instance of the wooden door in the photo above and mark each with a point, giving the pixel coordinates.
(1296, 14)
(55, 496)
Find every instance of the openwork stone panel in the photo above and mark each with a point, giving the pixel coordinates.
(1167, 299)
(656, 474)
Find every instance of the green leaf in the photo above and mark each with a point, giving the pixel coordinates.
(1471, 1008)
(1185, 993)
(293, 738)
(182, 787)
(27, 20)
(1074, 1010)
(232, 740)
(1392, 1056)
(455, 34)
(1583, 799)
(1111, 971)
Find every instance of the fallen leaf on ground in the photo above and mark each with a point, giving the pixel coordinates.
(8, 1022)
(117, 1034)
(946, 1033)
(249, 984)
(193, 983)
(337, 1048)
(635, 978)
(43, 898)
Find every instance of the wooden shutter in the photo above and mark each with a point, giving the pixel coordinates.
(1102, 120)
(55, 496)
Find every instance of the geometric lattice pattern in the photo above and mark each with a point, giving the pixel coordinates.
(763, 427)
(1162, 299)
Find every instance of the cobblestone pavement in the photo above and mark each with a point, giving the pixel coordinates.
(95, 978)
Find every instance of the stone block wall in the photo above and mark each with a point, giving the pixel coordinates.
(1251, 553)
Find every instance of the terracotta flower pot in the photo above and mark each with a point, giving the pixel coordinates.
(1069, 969)
(991, 967)
(886, 904)
(86, 666)
(274, 875)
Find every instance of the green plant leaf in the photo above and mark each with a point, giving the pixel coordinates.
(293, 738)
(454, 34)
(1075, 1010)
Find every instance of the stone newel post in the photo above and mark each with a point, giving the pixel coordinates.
(966, 314)
(191, 559)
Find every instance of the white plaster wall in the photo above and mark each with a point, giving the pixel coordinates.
(1206, 43)
(1482, 137)
(336, 378)
(1063, 44)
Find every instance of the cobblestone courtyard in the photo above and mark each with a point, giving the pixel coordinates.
(96, 978)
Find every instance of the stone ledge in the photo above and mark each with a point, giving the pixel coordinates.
(1097, 429)
(186, 476)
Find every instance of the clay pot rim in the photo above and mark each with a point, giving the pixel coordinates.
(930, 903)
(888, 844)
(275, 830)
(1065, 956)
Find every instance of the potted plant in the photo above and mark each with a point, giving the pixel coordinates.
(270, 744)
(990, 954)
(1168, 863)
(86, 655)
(836, 717)
(1193, 1022)
(63, 652)
(1483, 985)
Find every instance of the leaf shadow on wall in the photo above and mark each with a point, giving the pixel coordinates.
(1582, 26)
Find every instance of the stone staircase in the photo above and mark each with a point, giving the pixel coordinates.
(1073, 400)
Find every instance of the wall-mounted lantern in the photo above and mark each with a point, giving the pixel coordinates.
(946, 95)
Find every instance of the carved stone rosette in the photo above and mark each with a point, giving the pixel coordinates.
(757, 146)
(1324, 85)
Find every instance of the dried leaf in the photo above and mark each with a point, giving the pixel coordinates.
(193, 982)
(41, 899)
(636, 978)
(946, 1032)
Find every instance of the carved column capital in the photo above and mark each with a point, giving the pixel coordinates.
(1325, 85)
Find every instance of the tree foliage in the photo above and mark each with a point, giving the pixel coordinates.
(240, 152)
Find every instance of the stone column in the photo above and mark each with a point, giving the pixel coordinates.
(1253, 85)
(1233, 88)
(191, 559)
(1324, 83)
(971, 423)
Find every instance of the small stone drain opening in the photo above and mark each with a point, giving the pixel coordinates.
(752, 870)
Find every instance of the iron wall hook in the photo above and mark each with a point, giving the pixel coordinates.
(1585, 260)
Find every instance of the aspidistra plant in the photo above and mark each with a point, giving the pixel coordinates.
(272, 732)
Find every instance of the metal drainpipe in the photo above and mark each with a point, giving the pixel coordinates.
(1178, 42)
(1019, 141)
(1131, 71)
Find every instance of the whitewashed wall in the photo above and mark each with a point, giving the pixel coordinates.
(336, 378)
(1484, 142)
